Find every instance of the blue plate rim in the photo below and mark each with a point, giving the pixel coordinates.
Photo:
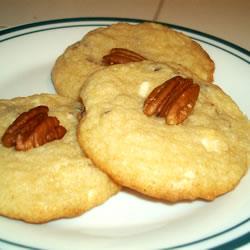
(136, 20)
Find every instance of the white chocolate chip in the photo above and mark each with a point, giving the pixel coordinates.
(143, 89)
(213, 144)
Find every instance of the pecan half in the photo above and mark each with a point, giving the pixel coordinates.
(121, 56)
(174, 100)
(32, 129)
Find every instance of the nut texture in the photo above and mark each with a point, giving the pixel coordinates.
(121, 56)
(174, 100)
(33, 129)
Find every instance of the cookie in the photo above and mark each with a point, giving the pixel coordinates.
(153, 41)
(201, 158)
(54, 180)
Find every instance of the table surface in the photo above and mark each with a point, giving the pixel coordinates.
(226, 19)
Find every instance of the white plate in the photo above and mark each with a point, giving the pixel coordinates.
(27, 54)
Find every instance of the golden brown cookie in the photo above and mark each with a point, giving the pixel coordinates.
(150, 40)
(204, 156)
(54, 180)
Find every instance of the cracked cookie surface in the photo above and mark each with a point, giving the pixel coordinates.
(203, 157)
(54, 180)
(153, 41)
